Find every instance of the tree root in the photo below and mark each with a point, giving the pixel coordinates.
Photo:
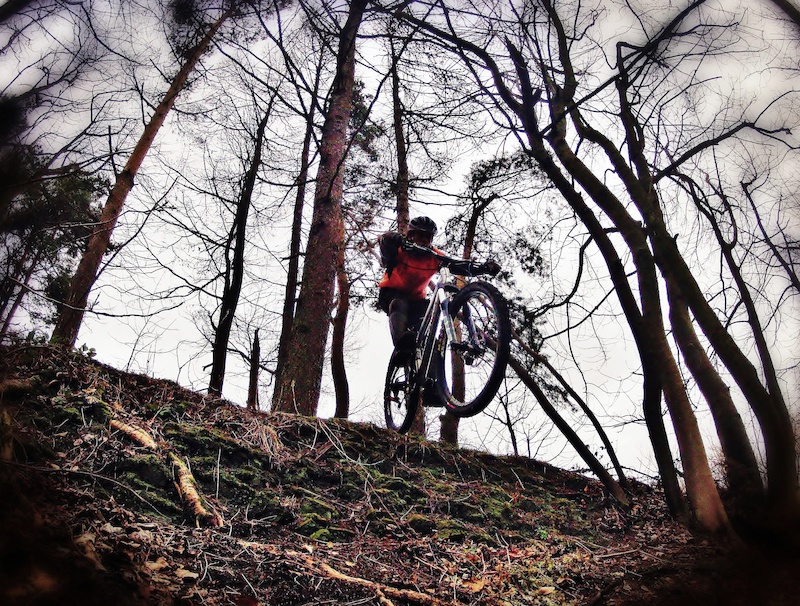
(185, 484)
(383, 592)
(139, 436)
(192, 500)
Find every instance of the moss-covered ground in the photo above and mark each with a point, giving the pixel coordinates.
(312, 511)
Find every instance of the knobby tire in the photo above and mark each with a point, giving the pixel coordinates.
(400, 396)
(484, 303)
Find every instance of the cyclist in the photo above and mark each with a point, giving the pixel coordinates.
(402, 291)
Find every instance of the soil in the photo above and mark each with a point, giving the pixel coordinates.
(126, 490)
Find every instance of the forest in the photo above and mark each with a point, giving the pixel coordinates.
(194, 189)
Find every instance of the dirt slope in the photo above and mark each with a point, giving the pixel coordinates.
(121, 489)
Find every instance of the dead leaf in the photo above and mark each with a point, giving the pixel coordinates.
(86, 543)
(108, 528)
(546, 590)
(474, 585)
(182, 573)
(159, 564)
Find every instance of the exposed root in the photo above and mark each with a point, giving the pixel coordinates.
(193, 502)
(185, 484)
(383, 592)
(139, 436)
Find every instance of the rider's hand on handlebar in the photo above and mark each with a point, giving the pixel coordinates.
(490, 267)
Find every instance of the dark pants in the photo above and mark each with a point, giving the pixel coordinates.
(404, 313)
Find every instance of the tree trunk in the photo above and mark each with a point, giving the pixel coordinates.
(338, 368)
(601, 432)
(741, 466)
(769, 408)
(297, 389)
(448, 432)
(71, 316)
(701, 490)
(255, 361)
(293, 269)
(403, 180)
(234, 267)
(23, 289)
(706, 504)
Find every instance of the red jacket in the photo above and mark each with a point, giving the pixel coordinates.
(411, 273)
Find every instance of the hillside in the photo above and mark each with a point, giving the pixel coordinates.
(98, 506)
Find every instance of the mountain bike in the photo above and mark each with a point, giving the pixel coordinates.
(461, 352)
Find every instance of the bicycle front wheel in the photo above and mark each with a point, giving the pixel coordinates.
(400, 395)
(471, 368)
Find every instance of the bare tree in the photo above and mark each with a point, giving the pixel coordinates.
(234, 264)
(297, 387)
(71, 316)
(652, 251)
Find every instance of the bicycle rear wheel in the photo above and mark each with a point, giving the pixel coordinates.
(471, 368)
(400, 395)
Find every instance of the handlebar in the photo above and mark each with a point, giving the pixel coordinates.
(447, 261)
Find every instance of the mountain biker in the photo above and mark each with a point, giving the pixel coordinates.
(402, 291)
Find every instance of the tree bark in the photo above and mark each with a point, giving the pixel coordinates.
(448, 432)
(23, 288)
(71, 316)
(293, 269)
(297, 389)
(741, 466)
(234, 267)
(403, 179)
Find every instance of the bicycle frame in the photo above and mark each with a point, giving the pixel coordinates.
(437, 327)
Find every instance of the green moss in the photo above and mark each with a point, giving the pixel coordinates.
(467, 510)
(451, 530)
(318, 507)
(149, 471)
(264, 505)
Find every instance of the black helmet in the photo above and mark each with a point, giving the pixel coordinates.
(425, 224)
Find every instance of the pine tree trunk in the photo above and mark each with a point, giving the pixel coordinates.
(297, 389)
(293, 269)
(71, 316)
(403, 179)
